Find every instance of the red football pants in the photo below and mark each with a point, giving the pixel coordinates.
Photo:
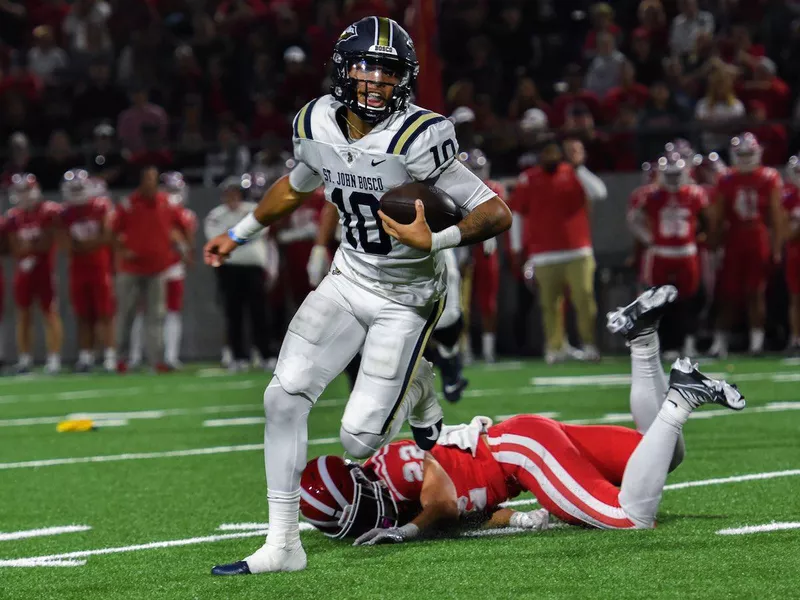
(573, 470)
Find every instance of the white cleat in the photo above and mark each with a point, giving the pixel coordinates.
(693, 389)
(643, 315)
(267, 559)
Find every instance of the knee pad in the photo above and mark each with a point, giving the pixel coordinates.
(280, 406)
(360, 445)
(448, 336)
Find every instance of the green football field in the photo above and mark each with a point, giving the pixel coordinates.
(144, 506)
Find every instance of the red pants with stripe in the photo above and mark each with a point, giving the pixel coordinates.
(573, 470)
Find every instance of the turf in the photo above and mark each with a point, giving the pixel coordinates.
(174, 498)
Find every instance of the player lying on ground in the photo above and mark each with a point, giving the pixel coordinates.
(593, 475)
(387, 286)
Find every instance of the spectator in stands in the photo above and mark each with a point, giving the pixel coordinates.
(551, 231)
(13, 21)
(526, 96)
(481, 67)
(98, 49)
(739, 49)
(59, 157)
(267, 121)
(141, 112)
(17, 117)
(676, 82)
(103, 159)
(720, 112)
(699, 62)
(45, 59)
(84, 13)
(298, 85)
(605, 70)
(19, 157)
(653, 19)
(579, 124)
(512, 36)
(602, 22)
(154, 150)
(574, 93)
(187, 77)
(461, 93)
(99, 100)
(193, 133)
(772, 137)
(767, 88)
(661, 118)
(218, 99)
(648, 64)
(534, 131)
(232, 159)
(687, 25)
(627, 92)
(621, 143)
(20, 80)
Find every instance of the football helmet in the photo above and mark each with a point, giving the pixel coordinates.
(340, 500)
(708, 169)
(24, 191)
(746, 152)
(793, 170)
(75, 186)
(175, 186)
(377, 49)
(673, 172)
(680, 146)
(649, 173)
(475, 160)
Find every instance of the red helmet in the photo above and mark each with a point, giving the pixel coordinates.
(648, 172)
(708, 169)
(340, 500)
(793, 170)
(673, 172)
(746, 152)
(75, 186)
(175, 186)
(24, 190)
(680, 146)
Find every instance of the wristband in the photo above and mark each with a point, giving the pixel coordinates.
(409, 531)
(245, 230)
(447, 238)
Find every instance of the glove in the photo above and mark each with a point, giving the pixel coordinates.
(393, 535)
(318, 265)
(534, 520)
(489, 246)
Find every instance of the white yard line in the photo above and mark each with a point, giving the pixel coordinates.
(257, 526)
(759, 528)
(234, 422)
(44, 531)
(624, 379)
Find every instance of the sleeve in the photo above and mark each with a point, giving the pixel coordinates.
(305, 176)
(467, 190)
(593, 186)
(429, 142)
(212, 226)
(400, 466)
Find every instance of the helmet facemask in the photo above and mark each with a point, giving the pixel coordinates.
(372, 86)
(372, 506)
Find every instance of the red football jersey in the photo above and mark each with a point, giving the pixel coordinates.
(745, 196)
(479, 480)
(673, 216)
(188, 220)
(85, 222)
(29, 225)
(791, 204)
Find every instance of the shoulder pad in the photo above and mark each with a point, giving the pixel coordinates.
(301, 126)
(413, 126)
(429, 145)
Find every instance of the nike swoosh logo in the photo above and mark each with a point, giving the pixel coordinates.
(435, 435)
(375, 164)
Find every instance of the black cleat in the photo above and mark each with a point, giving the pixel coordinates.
(237, 568)
(695, 389)
(452, 390)
(643, 315)
(426, 437)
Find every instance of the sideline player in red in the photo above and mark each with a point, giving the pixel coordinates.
(485, 261)
(32, 226)
(85, 219)
(636, 221)
(674, 211)
(600, 476)
(791, 204)
(748, 215)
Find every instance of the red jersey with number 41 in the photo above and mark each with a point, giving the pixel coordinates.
(746, 197)
(673, 216)
(479, 480)
(84, 222)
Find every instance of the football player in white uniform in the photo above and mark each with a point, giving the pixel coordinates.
(386, 287)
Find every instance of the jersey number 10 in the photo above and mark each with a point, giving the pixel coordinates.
(383, 245)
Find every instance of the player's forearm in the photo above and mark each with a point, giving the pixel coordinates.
(500, 518)
(489, 219)
(278, 201)
(436, 512)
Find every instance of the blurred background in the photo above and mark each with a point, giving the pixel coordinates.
(209, 88)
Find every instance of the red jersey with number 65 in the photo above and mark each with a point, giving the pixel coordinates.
(746, 198)
(84, 222)
(479, 480)
(673, 216)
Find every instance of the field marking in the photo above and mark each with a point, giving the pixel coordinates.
(759, 528)
(234, 422)
(258, 526)
(44, 531)
(623, 379)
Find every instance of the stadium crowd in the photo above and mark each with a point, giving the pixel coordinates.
(210, 88)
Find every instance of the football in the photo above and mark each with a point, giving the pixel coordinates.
(440, 210)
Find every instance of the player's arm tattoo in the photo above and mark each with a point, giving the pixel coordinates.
(489, 219)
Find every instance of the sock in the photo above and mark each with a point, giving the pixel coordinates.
(720, 340)
(136, 339)
(86, 357)
(227, 356)
(421, 403)
(25, 360)
(689, 345)
(649, 386)
(173, 327)
(646, 471)
(284, 519)
(487, 343)
(54, 360)
(110, 355)
(756, 340)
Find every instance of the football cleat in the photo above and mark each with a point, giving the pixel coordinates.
(452, 391)
(237, 568)
(643, 315)
(426, 437)
(693, 389)
(267, 559)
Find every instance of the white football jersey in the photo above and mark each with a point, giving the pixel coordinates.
(415, 144)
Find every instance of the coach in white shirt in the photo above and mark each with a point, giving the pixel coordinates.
(687, 25)
(242, 279)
